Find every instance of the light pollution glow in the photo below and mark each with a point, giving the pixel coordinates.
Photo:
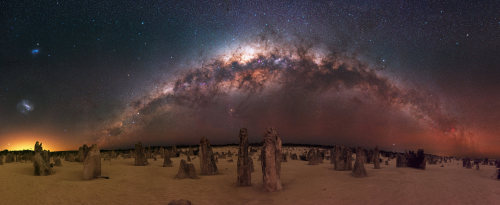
(26, 141)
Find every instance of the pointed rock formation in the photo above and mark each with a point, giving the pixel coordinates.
(207, 160)
(167, 162)
(162, 151)
(9, 158)
(332, 156)
(376, 158)
(81, 153)
(186, 170)
(369, 156)
(401, 160)
(92, 163)
(340, 158)
(359, 167)
(140, 155)
(313, 157)
(190, 151)
(69, 157)
(284, 157)
(57, 162)
(416, 160)
(175, 152)
(244, 166)
(347, 156)
(113, 154)
(468, 164)
(41, 161)
(148, 153)
(271, 161)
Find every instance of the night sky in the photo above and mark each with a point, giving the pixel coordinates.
(397, 74)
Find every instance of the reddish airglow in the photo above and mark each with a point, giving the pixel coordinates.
(452, 130)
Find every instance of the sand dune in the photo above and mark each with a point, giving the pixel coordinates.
(302, 184)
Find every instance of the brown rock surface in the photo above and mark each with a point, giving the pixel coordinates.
(245, 165)
(271, 161)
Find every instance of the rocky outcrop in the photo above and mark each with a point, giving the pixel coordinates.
(416, 160)
(140, 155)
(92, 163)
(271, 161)
(401, 160)
(313, 157)
(167, 162)
(245, 165)
(359, 167)
(41, 161)
(186, 170)
(57, 162)
(376, 158)
(81, 153)
(207, 160)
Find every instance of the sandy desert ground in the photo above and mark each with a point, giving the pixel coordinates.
(303, 184)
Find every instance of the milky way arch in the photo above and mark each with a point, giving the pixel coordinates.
(254, 68)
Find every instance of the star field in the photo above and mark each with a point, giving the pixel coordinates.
(84, 65)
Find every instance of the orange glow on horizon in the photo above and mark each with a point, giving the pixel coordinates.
(26, 141)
